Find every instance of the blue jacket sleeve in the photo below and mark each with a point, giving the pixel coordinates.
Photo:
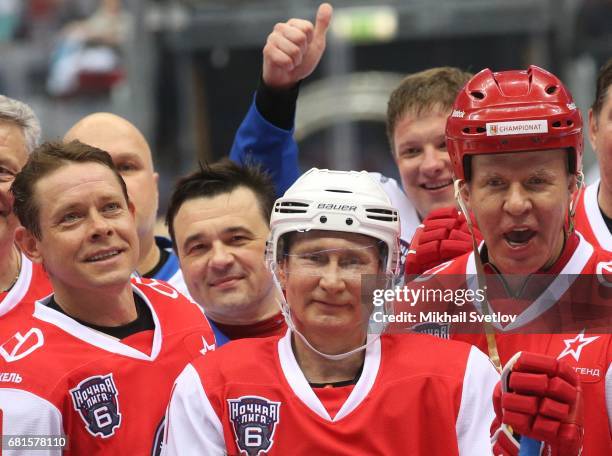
(257, 141)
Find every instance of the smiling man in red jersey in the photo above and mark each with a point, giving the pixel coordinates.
(218, 221)
(332, 385)
(108, 348)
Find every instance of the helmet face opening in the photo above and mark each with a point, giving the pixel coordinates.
(308, 253)
(513, 111)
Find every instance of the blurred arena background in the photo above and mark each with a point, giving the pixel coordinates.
(184, 71)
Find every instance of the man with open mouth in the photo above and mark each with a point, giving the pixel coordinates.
(515, 142)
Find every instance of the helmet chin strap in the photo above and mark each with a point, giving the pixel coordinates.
(574, 202)
(286, 311)
(482, 280)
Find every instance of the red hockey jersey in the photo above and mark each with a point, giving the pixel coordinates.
(589, 221)
(32, 284)
(108, 396)
(590, 353)
(417, 395)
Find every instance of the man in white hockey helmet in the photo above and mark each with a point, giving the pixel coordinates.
(315, 389)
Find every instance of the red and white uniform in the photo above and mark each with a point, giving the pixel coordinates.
(417, 395)
(32, 284)
(589, 353)
(589, 221)
(108, 396)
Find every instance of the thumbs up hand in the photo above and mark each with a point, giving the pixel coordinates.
(294, 48)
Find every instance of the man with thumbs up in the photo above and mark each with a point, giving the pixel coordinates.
(416, 117)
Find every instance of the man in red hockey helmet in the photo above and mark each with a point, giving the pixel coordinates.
(515, 141)
(443, 235)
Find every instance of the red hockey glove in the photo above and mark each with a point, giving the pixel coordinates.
(442, 236)
(538, 397)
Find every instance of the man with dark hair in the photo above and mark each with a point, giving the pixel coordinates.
(109, 347)
(20, 280)
(218, 221)
(132, 156)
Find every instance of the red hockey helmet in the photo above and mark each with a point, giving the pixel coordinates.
(513, 111)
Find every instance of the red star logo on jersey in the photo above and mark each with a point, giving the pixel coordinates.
(574, 346)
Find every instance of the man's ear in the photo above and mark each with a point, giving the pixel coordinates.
(464, 190)
(592, 128)
(28, 244)
(572, 185)
(281, 269)
(131, 208)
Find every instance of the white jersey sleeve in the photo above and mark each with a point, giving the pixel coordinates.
(476, 412)
(192, 426)
(26, 415)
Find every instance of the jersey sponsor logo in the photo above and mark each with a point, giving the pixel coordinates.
(590, 374)
(573, 347)
(18, 346)
(95, 398)
(520, 127)
(254, 421)
(441, 330)
(10, 377)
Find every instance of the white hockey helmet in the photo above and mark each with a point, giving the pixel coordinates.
(347, 201)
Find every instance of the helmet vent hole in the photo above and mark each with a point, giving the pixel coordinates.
(466, 130)
(323, 219)
(569, 123)
(480, 129)
(556, 124)
(337, 191)
(291, 207)
(551, 89)
(478, 95)
(384, 215)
